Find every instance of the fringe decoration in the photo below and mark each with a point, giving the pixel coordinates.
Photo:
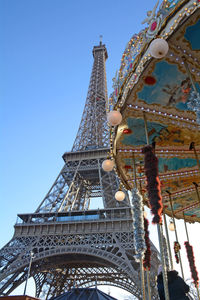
(191, 259)
(147, 254)
(138, 224)
(153, 184)
(177, 248)
(166, 252)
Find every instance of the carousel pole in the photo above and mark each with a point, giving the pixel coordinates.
(141, 259)
(172, 210)
(145, 127)
(159, 229)
(187, 235)
(148, 285)
(147, 270)
(168, 242)
(186, 231)
(192, 147)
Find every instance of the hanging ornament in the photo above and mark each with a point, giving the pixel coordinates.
(153, 183)
(147, 254)
(114, 117)
(194, 104)
(177, 248)
(191, 259)
(158, 48)
(108, 165)
(120, 196)
(138, 224)
(171, 225)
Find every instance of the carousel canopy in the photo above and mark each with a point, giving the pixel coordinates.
(162, 90)
(84, 294)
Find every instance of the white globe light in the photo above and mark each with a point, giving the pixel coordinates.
(158, 48)
(107, 165)
(171, 226)
(119, 196)
(114, 117)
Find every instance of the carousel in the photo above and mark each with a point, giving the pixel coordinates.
(154, 117)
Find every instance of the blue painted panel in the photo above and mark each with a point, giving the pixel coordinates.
(192, 36)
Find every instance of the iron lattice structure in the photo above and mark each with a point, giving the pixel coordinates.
(72, 245)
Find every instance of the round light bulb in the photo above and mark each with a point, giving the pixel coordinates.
(119, 196)
(108, 165)
(171, 226)
(158, 48)
(114, 118)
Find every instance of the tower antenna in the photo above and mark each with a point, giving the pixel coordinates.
(101, 37)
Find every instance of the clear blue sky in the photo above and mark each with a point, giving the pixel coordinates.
(45, 67)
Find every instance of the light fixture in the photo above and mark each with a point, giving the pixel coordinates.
(114, 117)
(108, 165)
(171, 225)
(119, 196)
(158, 48)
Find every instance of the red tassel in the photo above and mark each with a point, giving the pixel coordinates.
(153, 183)
(191, 259)
(147, 254)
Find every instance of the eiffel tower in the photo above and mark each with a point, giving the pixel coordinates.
(72, 244)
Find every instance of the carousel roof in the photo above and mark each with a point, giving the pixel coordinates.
(162, 89)
(84, 294)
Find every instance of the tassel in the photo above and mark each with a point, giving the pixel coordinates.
(191, 259)
(153, 184)
(147, 254)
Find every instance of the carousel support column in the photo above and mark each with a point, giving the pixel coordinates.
(168, 242)
(187, 235)
(192, 147)
(186, 231)
(172, 210)
(159, 230)
(147, 270)
(145, 127)
(141, 259)
(198, 294)
(148, 284)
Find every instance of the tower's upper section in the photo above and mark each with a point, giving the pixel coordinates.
(99, 49)
(93, 129)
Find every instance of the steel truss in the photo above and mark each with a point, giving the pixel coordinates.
(75, 246)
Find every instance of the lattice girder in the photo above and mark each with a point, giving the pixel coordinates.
(81, 179)
(93, 129)
(62, 243)
(87, 277)
(73, 245)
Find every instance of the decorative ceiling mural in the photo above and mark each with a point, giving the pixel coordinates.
(160, 90)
